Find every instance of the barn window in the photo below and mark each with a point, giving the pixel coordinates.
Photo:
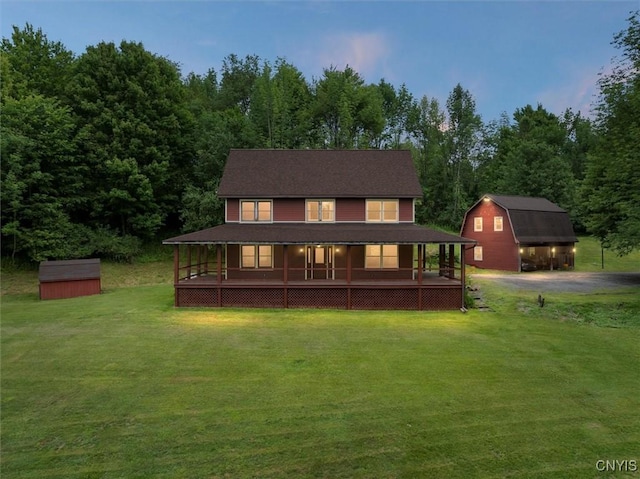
(477, 223)
(381, 256)
(257, 256)
(497, 223)
(477, 253)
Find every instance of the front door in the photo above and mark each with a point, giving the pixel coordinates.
(319, 262)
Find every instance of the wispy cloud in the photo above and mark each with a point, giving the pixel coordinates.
(579, 91)
(366, 53)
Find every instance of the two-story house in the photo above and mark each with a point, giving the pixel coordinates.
(319, 228)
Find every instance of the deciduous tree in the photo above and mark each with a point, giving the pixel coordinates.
(611, 189)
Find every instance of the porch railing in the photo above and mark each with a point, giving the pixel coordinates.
(209, 269)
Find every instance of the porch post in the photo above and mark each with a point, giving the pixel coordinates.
(285, 264)
(219, 273)
(420, 255)
(176, 272)
(348, 276)
(206, 259)
(463, 272)
(419, 288)
(452, 261)
(199, 259)
(285, 274)
(176, 263)
(188, 261)
(218, 263)
(441, 251)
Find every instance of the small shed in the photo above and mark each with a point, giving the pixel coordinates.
(70, 278)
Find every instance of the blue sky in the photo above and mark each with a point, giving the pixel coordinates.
(506, 53)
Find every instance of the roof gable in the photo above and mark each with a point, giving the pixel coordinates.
(319, 173)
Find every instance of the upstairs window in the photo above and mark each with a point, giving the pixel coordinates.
(256, 256)
(382, 211)
(383, 256)
(320, 210)
(251, 210)
(477, 223)
(497, 223)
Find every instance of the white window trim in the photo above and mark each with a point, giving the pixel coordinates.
(477, 223)
(382, 201)
(495, 218)
(256, 201)
(413, 218)
(381, 258)
(256, 255)
(478, 253)
(314, 200)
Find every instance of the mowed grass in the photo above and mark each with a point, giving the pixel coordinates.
(124, 385)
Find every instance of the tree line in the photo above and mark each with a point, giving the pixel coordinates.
(114, 147)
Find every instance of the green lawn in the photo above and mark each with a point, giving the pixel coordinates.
(124, 385)
(589, 257)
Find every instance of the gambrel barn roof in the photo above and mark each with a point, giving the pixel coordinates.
(319, 174)
(535, 220)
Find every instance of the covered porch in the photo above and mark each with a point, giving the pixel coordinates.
(326, 273)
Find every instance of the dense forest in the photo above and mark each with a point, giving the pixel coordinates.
(115, 147)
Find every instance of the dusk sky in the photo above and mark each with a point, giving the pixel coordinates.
(507, 54)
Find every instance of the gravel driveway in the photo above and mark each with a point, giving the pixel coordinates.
(564, 281)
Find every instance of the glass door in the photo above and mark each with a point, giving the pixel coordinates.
(319, 262)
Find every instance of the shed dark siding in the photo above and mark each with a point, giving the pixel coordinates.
(69, 279)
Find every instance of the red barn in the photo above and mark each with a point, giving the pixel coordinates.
(517, 233)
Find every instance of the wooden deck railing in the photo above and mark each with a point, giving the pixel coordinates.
(210, 270)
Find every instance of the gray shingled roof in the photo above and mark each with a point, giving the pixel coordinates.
(319, 174)
(301, 233)
(69, 270)
(525, 203)
(536, 220)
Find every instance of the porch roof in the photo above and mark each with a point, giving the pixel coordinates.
(304, 233)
